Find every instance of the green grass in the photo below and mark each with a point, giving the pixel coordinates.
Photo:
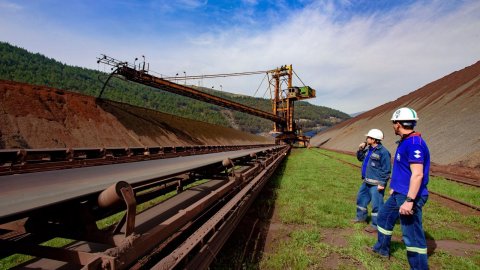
(309, 177)
(440, 185)
(316, 194)
(455, 190)
(298, 253)
(349, 158)
(17, 259)
(438, 217)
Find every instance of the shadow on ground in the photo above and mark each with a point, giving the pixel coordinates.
(244, 249)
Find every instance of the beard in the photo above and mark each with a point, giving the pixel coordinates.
(397, 130)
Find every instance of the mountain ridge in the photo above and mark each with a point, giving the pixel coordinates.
(17, 64)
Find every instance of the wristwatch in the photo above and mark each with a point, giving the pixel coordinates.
(408, 199)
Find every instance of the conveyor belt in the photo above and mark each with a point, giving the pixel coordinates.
(23, 192)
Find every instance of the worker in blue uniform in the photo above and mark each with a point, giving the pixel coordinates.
(408, 189)
(375, 174)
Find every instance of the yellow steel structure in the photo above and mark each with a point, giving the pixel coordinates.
(283, 105)
(283, 100)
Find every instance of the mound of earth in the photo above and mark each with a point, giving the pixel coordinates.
(43, 117)
(449, 111)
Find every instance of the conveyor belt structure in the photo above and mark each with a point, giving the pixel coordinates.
(185, 231)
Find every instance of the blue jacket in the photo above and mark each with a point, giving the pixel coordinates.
(378, 166)
(411, 149)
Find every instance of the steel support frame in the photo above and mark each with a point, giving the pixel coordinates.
(211, 236)
(130, 247)
(141, 77)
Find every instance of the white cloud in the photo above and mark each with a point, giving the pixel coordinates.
(7, 5)
(171, 6)
(358, 64)
(353, 64)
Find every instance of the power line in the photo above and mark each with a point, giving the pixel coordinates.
(199, 77)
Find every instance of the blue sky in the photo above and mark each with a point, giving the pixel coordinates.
(356, 54)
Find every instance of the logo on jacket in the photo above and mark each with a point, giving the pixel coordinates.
(398, 157)
(417, 153)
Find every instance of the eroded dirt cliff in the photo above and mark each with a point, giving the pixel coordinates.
(43, 117)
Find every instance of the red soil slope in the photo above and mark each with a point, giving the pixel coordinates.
(449, 112)
(43, 117)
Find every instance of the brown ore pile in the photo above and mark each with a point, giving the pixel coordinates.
(449, 112)
(43, 117)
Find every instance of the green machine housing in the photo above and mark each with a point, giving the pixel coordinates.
(302, 92)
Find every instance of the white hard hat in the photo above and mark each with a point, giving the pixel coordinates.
(375, 133)
(405, 114)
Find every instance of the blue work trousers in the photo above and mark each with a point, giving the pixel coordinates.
(412, 230)
(366, 194)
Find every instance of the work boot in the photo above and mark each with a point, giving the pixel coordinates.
(375, 253)
(371, 229)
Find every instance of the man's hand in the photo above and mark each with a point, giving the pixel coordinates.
(362, 145)
(380, 187)
(406, 208)
(391, 191)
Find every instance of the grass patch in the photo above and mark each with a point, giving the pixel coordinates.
(438, 218)
(16, 259)
(346, 157)
(307, 178)
(437, 184)
(455, 190)
(448, 261)
(300, 252)
(317, 193)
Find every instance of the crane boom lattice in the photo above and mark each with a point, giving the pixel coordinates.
(282, 101)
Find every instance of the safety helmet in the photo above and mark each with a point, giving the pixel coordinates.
(405, 114)
(375, 133)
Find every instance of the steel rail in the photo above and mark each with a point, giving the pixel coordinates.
(436, 193)
(456, 178)
(23, 192)
(455, 200)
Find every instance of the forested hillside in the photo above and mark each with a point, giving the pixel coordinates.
(19, 65)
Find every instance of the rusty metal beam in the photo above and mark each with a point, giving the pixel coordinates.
(166, 224)
(211, 236)
(15, 161)
(146, 79)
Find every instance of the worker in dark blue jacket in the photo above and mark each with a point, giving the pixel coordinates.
(375, 174)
